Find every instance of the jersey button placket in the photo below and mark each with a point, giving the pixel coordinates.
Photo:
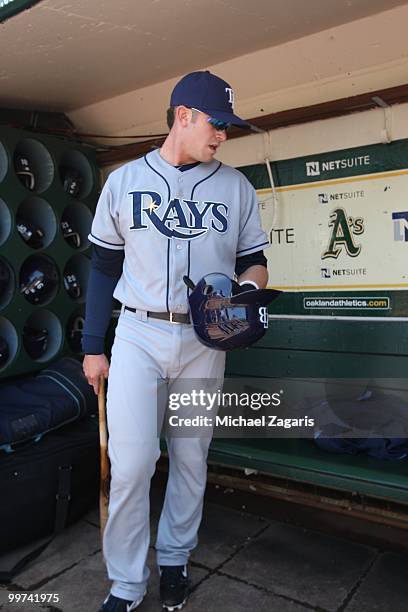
(180, 261)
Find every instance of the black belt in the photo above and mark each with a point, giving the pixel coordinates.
(173, 317)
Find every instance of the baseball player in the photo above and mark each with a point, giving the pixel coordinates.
(177, 211)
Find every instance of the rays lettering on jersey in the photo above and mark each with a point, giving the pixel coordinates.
(180, 219)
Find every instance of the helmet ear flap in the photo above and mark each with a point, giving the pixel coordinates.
(35, 341)
(71, 180)
(23, 170)
(208, 289)
(4, 351)
(187, 280)
(236, 287)
(72, 237)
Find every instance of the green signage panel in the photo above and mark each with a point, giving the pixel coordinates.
(338, 228)
(8, 8)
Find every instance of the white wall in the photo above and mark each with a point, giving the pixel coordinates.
(353, 130)
(366, 55)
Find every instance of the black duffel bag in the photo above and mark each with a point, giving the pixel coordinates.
(46, 486)
(35, 405)
(46, 481)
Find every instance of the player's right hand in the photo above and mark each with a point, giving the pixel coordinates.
(95, 366)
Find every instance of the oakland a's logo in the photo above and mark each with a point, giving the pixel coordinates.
(180, 219)
(344, 228)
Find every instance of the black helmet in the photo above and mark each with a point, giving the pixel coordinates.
(226, 321)
(71, 236)
(4, 351)
(38, 279)
(71, 180)
(35, 341)
(74, 332)
(72, 285)
(32, 235)
(4, 278)
(24, 171)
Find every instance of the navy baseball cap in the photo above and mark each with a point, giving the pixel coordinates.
(209, 94)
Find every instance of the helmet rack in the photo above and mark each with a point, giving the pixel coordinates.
(48, 192)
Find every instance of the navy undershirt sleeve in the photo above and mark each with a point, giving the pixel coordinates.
(106, 269)
(246, 261)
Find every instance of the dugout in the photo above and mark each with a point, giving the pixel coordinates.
(331, 96)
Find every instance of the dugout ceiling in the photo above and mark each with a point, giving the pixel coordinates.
(63, 55)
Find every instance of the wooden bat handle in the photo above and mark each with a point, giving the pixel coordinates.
(104, 459)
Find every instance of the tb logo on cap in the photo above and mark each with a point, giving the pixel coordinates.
(230, 96)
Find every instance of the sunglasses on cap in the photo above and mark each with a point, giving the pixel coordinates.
(216, 123)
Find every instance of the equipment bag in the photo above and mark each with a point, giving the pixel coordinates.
(33, 406)
(46, 486)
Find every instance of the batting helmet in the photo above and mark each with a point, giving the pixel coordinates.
(4, 351)
(72, 285)
(32, 235)
(70, 235)
(38, 279)
(225, 321)
(4, 278)
(71, 180)
(35, 341)
(74, 332)
(24, 171)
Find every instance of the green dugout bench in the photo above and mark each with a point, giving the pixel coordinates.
(320, 349)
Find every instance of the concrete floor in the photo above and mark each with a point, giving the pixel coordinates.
(244, 562)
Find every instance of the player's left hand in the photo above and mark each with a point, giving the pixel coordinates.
(237, 288)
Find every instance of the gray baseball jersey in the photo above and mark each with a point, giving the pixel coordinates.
(173, 223)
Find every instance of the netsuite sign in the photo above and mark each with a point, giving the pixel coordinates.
(315, 168)
(8, 8)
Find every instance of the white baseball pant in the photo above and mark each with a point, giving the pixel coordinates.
(145, 351)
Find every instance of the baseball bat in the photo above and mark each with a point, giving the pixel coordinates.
(104, 481)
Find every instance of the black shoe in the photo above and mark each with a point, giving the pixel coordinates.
(115, 604)
(174, 586)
